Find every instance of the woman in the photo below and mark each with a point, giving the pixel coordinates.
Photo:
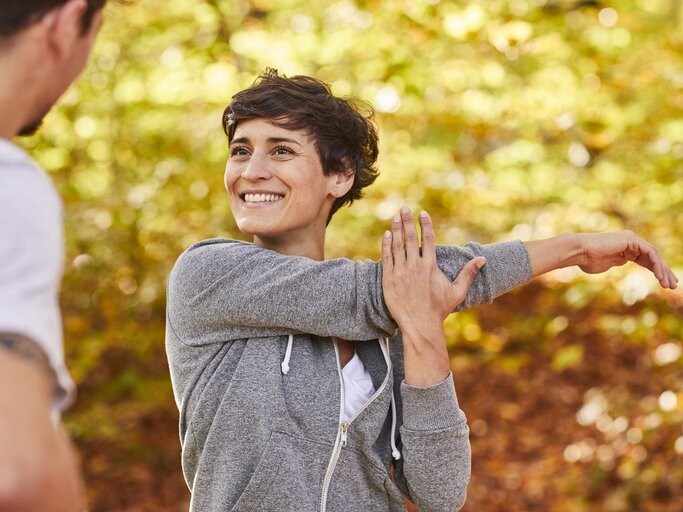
(296, 391)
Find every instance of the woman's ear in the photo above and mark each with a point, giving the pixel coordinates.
(343, 179)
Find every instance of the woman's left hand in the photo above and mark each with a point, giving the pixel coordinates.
(415, 289)
(420, 296)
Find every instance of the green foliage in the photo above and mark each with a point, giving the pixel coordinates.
(504, 119)
(566, 357)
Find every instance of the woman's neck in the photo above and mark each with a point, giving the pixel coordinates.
(313, 248)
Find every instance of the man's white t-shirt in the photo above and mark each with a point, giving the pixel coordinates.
(31, 260)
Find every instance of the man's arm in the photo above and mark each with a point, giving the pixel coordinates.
(38, 467)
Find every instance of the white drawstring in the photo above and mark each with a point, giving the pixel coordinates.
(394, 450)
(288, 354)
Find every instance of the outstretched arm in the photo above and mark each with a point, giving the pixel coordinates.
(597, 252)
(222, 290)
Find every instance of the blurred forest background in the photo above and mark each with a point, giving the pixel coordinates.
(503, 118)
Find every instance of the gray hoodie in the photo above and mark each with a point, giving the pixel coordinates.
(258, 438)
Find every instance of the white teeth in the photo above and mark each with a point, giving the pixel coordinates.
(262, 198)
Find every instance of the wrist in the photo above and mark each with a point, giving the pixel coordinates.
(425, 355)
(560, 251)
(573, 249)
(427, 332)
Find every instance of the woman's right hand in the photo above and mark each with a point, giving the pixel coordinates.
(419, 296)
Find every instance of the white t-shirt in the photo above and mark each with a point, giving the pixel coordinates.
(358, 386)
(31, 260)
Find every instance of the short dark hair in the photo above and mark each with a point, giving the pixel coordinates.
(15, 15)
(343, 134)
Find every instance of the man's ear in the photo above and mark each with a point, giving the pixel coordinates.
(343, 179)
(63, 26)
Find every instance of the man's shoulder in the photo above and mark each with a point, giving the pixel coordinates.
(14, 159)
(26, 191)
(10, 152)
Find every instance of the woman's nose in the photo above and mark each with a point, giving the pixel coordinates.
(256, 168)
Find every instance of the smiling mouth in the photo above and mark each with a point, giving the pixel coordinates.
(261, 198)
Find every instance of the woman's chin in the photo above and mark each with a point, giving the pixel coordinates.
(255, 230)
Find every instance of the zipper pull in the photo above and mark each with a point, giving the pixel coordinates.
(345, 429)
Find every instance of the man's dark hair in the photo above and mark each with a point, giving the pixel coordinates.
(343, 135)
(15, 15)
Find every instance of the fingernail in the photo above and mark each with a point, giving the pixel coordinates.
(405, 210)
(397, 219)
(387, 234)
(423, 214)
(481, 263)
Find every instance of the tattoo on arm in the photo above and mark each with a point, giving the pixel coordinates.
(24, 347)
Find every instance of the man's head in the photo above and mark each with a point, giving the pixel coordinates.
(19, 14)
(345, 138)
(44, 46)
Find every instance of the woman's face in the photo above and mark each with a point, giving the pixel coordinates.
(275, 183)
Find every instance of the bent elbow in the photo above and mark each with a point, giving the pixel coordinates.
(452, 501)
(459, 500)
(45, 482)
(20, 482)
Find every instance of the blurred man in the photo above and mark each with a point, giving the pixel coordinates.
(44, 45)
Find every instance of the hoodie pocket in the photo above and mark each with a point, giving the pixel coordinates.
(287, 477)
(362, 484)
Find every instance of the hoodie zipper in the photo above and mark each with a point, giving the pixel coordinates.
(342, 431)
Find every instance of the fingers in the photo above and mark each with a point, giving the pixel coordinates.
(410, 235)
(387, 255)
(649, 257)
(465, 278)
(428, 243)
(670, 280)
(646, 255)
(397, 245)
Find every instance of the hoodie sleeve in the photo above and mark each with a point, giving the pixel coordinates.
(222, 290)
(435, 466)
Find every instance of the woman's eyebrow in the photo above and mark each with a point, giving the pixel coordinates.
(275, 140)
(270, 140)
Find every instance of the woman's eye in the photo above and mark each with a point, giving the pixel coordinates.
(283, 150)
(238, 151)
